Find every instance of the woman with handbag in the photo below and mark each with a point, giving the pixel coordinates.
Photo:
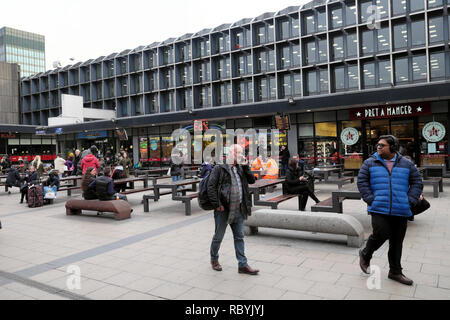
(296, 183)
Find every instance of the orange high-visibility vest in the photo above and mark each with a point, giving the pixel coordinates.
(256, 166)
(271, 169)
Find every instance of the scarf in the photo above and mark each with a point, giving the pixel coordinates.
(235, 204)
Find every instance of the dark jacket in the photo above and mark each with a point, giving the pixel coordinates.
(176, 169)
(32, 178)
(13, 179)
(126, 164)
(390, 193)
(219, 187)
(104, 187)
(285, 156)
(292, 179)
(53, 180)
(88, 193)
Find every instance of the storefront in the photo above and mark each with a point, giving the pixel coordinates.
(350, 136)
(27, 146)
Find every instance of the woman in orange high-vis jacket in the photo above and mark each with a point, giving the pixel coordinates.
(271, 169)
(257, 165)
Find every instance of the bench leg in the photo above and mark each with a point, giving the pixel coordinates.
(145, 200)
(69, 193)
(187, 207)
(435, 191)
(250, 231)
(441, 186)
(355, 242)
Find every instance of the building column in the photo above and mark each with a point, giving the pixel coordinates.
(293, 140)
(135, 149)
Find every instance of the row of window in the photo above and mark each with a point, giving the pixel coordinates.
(25, 52)
(374, 73)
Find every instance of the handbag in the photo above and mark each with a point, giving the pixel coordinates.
(421, 206)
(50, 193)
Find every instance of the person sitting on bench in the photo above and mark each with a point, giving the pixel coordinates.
(104, 187)
(32, 177)
(88, 177)
(119, 173)
(296, 183)
(13, 179)
(53, 179)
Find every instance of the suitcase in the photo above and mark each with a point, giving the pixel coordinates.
(35, 196)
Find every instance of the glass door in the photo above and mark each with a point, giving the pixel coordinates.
(404, 131)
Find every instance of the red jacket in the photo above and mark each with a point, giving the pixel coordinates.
(89, 161)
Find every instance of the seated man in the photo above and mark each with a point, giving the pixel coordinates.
(13, 179)
(104, 187)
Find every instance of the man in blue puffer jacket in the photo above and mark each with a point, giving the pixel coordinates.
(390, 185)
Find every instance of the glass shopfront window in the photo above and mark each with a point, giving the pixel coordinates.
(326, 140)
(433, 152)
(352, 154)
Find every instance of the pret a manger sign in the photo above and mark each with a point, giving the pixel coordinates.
(391, 111)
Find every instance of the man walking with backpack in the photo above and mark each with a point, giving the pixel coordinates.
(229, 194)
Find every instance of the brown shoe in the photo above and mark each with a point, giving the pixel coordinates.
(248, 270)
(400, 278)
(363, 263)
(216, 266)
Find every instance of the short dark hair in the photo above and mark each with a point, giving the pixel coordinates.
(393, 141)
(107, 171)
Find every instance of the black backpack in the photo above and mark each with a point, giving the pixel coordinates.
(203, 199)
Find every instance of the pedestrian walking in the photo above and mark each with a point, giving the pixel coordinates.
(390, 185)
(228, 192)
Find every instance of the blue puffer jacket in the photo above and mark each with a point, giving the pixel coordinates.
(390, 194)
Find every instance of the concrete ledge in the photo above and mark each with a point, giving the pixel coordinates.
(321, 222)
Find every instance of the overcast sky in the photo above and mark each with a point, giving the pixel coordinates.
(85, 29)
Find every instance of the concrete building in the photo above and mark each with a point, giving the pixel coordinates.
(329, 65)
(24, 48)
(9, 93)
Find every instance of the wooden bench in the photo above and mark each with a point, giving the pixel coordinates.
(131, 191)
(274, 202)
(120, 208)
(318, 222)
(186, 199)
(437, 184)
(69, 189)
(153, 197)
(334, 203)
(340, 181)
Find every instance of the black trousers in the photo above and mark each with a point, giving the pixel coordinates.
(306, 191)
(390, 228)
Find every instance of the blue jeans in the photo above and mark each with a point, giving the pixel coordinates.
(177, 178)
(220, 219)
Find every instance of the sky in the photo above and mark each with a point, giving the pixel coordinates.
(88, 29)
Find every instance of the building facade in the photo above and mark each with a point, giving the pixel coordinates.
(24, 48)
(9, 93)
(318, 63)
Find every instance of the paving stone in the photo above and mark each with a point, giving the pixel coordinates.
(317, 264)
(109, 292)
(329, 291)
(135, 295)
(430, 293)
(361, 294)
(322, 276)
(291, 295)
(444, 282)
(295, 284)
(198, 294)
(259, 292)
(169, 290)
(122, 279)
(435, 269)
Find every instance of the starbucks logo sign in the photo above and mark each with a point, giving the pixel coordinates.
(433, 132)
(350, 136)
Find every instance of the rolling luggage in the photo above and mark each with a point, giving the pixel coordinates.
(35, 196)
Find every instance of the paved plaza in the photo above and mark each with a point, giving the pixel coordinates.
(164, 254)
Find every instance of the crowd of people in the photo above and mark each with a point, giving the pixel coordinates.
(97, 170)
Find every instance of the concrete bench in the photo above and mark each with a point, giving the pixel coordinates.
(340, 181)
(274, 202)
(437, 184)
(320, 222)
(120, 208)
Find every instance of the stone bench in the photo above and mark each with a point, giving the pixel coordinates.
(320, 222)
(120, 208)
(437, 184)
